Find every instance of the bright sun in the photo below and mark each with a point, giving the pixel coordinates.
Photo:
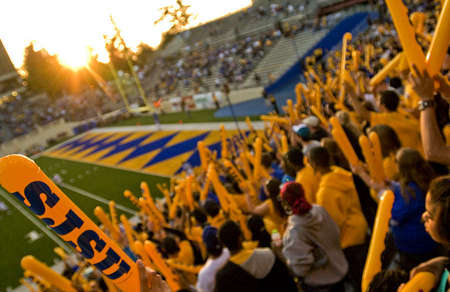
(74, 58)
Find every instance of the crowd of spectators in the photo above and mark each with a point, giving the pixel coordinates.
(22, 113)
(233, 60)
(293, 207)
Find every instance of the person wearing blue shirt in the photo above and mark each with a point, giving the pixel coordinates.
(412, 241)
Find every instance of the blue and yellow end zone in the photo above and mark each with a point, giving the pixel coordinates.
(155, 152)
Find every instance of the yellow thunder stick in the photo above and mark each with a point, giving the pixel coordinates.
(205, 190)
(249, 124)
(284, 144)
(298, 93)
(344, 68)
(42, 270)
(219, 189)
(292, 115)
(166, 194)
(366, 148)
(441, 39)
(257, 159)
(189, 196)
(203, 155)
(380, 228)
(143, 254)
(423, 281)
(103, 217)
(343, 142)
(318, 114)
(129, 195)
(113, 214)
(406, 34)
(223, 136)
(392, 65)
(128, 231)
(379, 174)
(276, 119)
(149, 200)
(163, 268)
(59, 251)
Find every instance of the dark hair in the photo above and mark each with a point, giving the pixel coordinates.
(199, 216)
(320, 157)
(179, 212)
(390, 100)
(336, 156)
(413, 168)
(213, 246)
(230, 235)
(170, 246)
(293, 161)
(259, 233)
(295, 157)
(211, 208)
(273, 188)
(196, 196)
(440, 195)
(388, 281)
(395, 82)
(389, 141)
(266, 160)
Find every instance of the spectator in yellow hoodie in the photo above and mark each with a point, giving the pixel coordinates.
(406, 127)
(338, 195)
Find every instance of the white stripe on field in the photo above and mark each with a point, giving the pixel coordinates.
(95, 197)
(35, 221)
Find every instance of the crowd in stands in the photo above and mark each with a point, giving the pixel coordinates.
(24, 113)
(293, 207)
(234, 59)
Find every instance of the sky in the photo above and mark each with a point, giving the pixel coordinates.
(67, 28)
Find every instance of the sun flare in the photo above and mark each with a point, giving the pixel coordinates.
(74, 58)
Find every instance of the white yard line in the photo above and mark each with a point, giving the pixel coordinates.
(95, 197)
(35, 221)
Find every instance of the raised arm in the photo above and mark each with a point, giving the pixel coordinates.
(261, 209)
(360, 109)
(433, 143)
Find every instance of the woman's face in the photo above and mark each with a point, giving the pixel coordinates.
(429, 218)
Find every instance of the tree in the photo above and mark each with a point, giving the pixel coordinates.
(44, 73)
(117, 52)
(144, 53)
(178, 15)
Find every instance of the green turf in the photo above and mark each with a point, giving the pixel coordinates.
(14, 246)
(200, 116)
(105, 182)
